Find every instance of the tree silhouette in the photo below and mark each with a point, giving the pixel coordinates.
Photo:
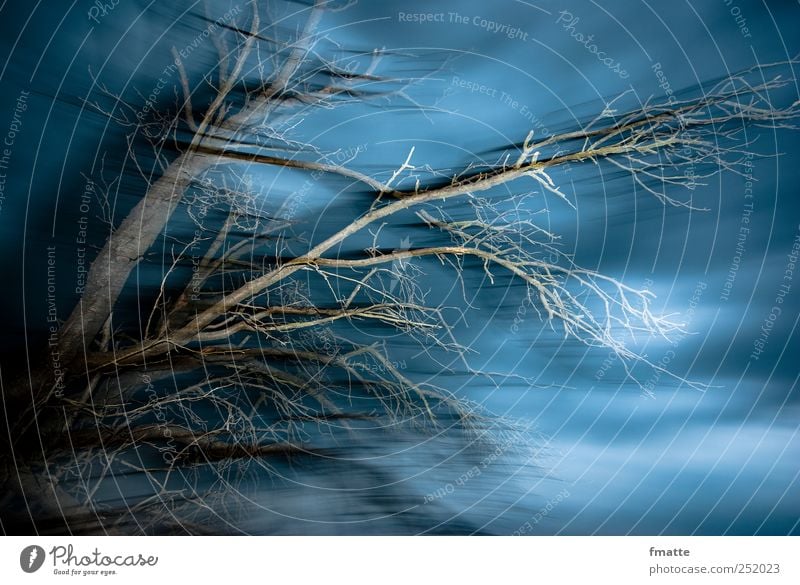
(236, 366)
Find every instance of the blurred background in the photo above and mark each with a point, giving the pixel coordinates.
(614, 455)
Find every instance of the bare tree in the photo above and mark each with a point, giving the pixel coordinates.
(237, 365)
